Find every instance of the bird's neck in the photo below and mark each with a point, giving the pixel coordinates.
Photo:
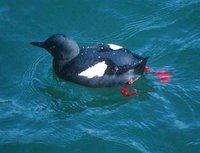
(58, 65)
(60, 61)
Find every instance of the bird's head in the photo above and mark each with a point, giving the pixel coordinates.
(59, 46)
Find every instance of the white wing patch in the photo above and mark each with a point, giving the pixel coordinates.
(96, 70)
(114, 47)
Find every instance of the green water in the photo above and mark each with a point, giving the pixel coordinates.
(41, 114)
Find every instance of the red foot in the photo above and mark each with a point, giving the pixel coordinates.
(124, 90)
(164, 76)
(147, 69)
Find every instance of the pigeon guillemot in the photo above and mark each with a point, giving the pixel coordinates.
(101, 65)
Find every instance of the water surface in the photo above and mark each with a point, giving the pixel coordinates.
(40, 113)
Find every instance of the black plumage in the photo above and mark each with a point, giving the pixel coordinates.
(70, 63)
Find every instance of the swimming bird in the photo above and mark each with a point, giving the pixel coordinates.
(101, 65)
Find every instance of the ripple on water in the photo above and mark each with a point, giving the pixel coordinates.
(179, 4)
(51, 111)
(45, 93)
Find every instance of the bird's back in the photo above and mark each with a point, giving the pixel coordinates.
(101, 65)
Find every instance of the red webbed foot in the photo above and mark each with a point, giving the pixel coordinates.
(124, 89)
(164, 76)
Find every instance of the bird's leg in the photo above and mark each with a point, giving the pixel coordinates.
(164, 76)
(147, 69)
(124, 90)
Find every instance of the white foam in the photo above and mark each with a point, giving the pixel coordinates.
(96, 70)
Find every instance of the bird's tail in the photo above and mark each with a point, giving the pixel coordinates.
(139, 69)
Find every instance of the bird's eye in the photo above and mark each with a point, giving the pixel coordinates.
(52, 47)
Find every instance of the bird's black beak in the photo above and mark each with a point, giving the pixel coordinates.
(38, 44)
